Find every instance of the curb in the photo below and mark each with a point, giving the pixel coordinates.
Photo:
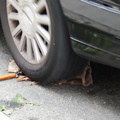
(3, 116)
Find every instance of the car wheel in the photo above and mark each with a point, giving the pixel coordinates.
(36, 34)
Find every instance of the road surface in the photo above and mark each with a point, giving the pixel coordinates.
(66, 102)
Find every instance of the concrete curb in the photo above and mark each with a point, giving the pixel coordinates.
(3, 116)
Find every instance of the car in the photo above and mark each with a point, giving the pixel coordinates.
(52, 40)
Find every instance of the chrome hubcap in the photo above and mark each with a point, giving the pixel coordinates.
(30, 27)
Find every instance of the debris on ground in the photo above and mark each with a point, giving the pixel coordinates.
(8, 76)
(3, 109)
(86, 76)
(22, 78)
(84, 79)
(12, 67)
(17, 100)
(34, 83)
(14, 72)
(20, 100)
(73, 81)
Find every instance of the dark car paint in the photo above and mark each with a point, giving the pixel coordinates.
(94, 27)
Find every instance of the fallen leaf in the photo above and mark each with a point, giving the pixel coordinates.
(2, 107)
(68, 81)
(12, 67)
(33, 83)
(60, 82)
(84, 79)
(7, 112)
(33, 103)
(86, 76)
(4, 110)
(18, 99)
(23, 79)
(75, 82)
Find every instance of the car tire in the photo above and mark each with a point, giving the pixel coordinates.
(60, 61)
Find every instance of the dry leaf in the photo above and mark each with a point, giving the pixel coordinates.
(75, 82)
(86, 76)
(33, 83)
(12, 67)
(84, 79)
(23, 78)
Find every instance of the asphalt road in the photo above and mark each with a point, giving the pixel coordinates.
(66, 102)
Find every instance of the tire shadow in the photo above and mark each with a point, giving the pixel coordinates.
(104, 93)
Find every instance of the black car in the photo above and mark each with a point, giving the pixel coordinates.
(54, 39)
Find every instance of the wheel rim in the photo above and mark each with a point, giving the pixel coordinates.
(30, 27)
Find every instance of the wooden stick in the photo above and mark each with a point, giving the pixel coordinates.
(8, 76)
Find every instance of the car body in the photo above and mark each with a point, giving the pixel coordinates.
(94, 28)
(42, 35)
